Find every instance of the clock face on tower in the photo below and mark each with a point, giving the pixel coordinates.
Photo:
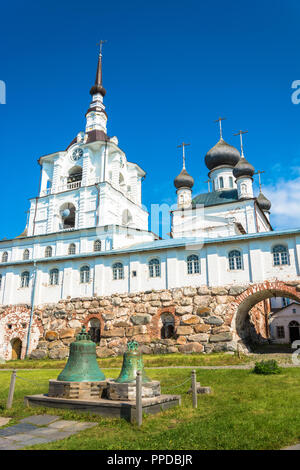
(76, 154)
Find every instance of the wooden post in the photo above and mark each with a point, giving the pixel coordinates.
(139, 404)
(194, 388)
(11, 389)
(238, 350)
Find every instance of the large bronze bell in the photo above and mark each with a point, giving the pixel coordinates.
(82, 365)
(132, 362)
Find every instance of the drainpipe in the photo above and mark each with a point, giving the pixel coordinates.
(32, 306)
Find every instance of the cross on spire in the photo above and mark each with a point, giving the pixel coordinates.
(219, 120)
(240, 133)
(208, 182)
(183, 145)
(259, 178)
(100, 44)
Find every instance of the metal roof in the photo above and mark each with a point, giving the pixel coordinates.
(216, 197)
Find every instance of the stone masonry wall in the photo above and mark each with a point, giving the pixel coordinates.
(205, 319)
(198, 313)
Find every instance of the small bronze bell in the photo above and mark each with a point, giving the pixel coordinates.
(132, 362)
(82, 365)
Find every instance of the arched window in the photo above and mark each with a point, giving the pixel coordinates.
(221, 182)
(75, 177)
(126, 217)
(243, 189)
(118, 271)
(97, 245)
(5, 257)
(294, 331)
(193, 266)
(121, 179)
(25, 279)
(280, 255)
(53, 277)
(68, 215)
(72, 249)
(84, 274)
(26, 254)
(1, 280)
(48, 252)
(230, 182)
(94, 330)
(235, 260)
(154, 268)
(167, 326)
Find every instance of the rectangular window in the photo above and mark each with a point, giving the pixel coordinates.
(280, 332)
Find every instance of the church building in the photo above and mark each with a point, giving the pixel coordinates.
(87, 254)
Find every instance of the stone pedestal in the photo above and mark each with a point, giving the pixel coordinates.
(76, 390)
(107, 408)
(127, 391)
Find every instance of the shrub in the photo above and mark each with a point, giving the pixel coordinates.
(267, 367)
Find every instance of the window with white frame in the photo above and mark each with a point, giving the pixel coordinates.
(193, 266)
(154, 267)
(48, 252)
(4, 257)
(25, 279)
(221, 182)
(235, 260)
(280, 255)
(1, 277)
(26, 254)
(54, 275)
(84, 274)
(280, 332)
(118, 271)
(97, 245)
(72, 249)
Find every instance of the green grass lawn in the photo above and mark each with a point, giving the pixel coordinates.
(156, 360)
(245, 411)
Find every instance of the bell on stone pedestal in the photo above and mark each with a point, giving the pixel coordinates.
(132, 362)
(82, 365)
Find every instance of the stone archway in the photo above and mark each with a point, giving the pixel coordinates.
(16, 348)
(238, 311)
(94, 324)
(14, 323)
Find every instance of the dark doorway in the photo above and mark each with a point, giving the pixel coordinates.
(16, 348)
(294, 331)
(95, 330)
(167, 326)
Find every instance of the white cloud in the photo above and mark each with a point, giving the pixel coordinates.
(285, 198)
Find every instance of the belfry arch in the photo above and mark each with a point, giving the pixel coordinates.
(239, 311)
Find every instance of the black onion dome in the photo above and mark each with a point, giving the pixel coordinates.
(263, 202)
(183, 180)
(243, 168)
(222, 154)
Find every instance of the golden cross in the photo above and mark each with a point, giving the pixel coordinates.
(183, 145)
(219, 120)
(240, 133)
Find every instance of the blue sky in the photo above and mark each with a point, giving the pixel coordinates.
(170, 69)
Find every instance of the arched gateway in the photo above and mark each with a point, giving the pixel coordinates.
(249, 310)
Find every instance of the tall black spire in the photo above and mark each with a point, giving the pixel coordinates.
(98, 87)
